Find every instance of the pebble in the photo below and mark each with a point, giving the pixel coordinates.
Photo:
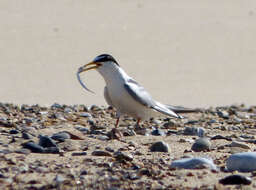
(194, 163)
(101, 153)
(33, 147)
(194, 131)
(242, 162)
(26, 136)
(223, 114)
(60, 136)
(235, 180)
(121, 156)
(82, 129)
(216, 137)
(46, 141)
(201, 144)
(160, 146)
(240, 145)
(85, 114)
(79, 153)
(13, 131)
(157, 132)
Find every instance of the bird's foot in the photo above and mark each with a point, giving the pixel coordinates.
(115, 134)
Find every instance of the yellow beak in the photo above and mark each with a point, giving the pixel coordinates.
(89, 66)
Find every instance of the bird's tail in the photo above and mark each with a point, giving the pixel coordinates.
(180, 109)
(165, 110)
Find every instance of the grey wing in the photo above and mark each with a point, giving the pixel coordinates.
(143, 97)
(180, 109)
(107, 97)
(139, 93)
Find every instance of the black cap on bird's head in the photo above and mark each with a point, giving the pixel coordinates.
(105, 58)
(97, 62)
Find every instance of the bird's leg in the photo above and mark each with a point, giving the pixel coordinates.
(115, 133)
(138, 122)
(117, 121)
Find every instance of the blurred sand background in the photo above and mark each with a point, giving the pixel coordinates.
(193, 53)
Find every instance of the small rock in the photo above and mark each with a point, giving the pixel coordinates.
(158, 132)
(238, 144)
(61, 136)
(223, 114)
(13, 131)
(52, 150)
(101, 153)
(194, 163)
(82, 129)
(236, 180)
(46, 141)
(216, 137)
(85, 114)
(109, 149)
(79, 153)
(242, 162)
(121, 156)
(160, 147)
(26, 136)
(33, 147)
(194, 131)
(201, 144)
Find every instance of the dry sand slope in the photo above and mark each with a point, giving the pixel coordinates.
(191, 53)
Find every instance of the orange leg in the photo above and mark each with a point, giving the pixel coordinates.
(117, 121)
(138, 121)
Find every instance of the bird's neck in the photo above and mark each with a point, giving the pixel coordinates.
(116, 75)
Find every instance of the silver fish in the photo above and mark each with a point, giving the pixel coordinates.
(80, 81)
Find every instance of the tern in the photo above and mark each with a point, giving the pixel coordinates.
(125, 94)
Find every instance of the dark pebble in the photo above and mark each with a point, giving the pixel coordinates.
(121, 156)
(61, 136)
(158, 132)
(101, 153)
(159, 147)
(26, 136)
(83, 172)
(216, 137)
(236, 180)
(223, 114)
(33, 147)
(79, 153)
(52, 150)
(46, 141)
(13, 131)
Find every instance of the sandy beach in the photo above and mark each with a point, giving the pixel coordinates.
(196, 54)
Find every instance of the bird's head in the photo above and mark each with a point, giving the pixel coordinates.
(101, 63)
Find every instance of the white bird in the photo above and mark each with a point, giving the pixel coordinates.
(124, 93)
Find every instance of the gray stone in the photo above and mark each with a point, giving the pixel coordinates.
(194, 131)
(194, 163)
(160, 146)
(201, 144)
(33, 147)
(46, 141)
(61, 136)
(242, 162)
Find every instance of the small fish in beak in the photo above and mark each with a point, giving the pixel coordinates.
(86, 68)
